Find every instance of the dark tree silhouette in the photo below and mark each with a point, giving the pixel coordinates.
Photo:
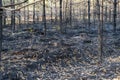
(115, 14)
(44, 17)
(89, 14)
(1, 11)
(61, 16)
(13, 15)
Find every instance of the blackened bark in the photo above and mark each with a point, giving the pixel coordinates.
(61, 16)
(51, 13)
(100, 43)
(34, 13)
(1, 11)
(89, 15)
(13, 16)
(55, 11)
(115, 15)
(71, 12)
(44, 17)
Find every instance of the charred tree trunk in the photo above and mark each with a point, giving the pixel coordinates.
(4, 17)
(100, 43)
(65, 14)
(70, 12)
(51, 13)
(89, 15)
(118, 9)
(94, 13)
(61, 16)
(84, 20)
(115, 15)
(55, 11)
(24, 15)
(28, 16)
(1, 12)
(80, 13)
(19, 17)
(101, 33)
(13, 16)
(109, 15)
(44, 18)
(66, 11)
(106, 15)
(34, 14)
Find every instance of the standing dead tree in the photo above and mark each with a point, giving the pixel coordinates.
(89, 14)
(1, 12)
(34, 13)
(70, 12)
(19, 17)
(56, 11)
(44, 17)
(51, 9)
(115, 14)
(101, 34)
(12, 16)
(100, 30)
(60, 16)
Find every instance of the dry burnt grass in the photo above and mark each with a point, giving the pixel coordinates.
(60, 57)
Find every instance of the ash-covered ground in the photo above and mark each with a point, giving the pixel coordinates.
(28, 55)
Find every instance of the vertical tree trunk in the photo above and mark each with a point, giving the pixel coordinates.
(102, 16)
(65, 14)
(106, 15)
(28, 16)
(66, 10)
(115, 15)
(70, 12)
(1, 11)
(37, 15)
(100, 45)
(24, 12)
(19, 18)
(109, 15)
(94, 14)
(61, 16)
(55, 11)
(13, 16)
(118, 9)
(84, 16)
(4, 17)
(34, 14)
(101, 33)
(44, 18)
(89, 15)
(51, 12)
(80, 13)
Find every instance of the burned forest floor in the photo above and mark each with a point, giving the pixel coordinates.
(29, 55)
